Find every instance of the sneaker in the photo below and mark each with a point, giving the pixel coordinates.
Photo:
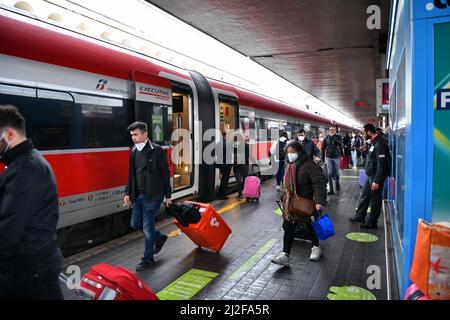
(355, 168)
(145, 264)
(315, 253)
(159, 244)
(282, 259)
(278, 188)
(330, 193)
(338, 187)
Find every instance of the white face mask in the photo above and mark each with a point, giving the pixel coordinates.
(368, 141)
(321, 139)
(140, 146)
(292, 157)
(301, 138)
(353, 135)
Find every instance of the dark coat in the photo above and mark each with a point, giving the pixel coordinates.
(332, 147)
(311, 181)
(157, 181)
(378, 162)
(310, 148)
(29, 212)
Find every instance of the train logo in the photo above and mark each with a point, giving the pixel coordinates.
(101, 85)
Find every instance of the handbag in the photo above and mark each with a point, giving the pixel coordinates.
(323, 227)
(295, 204)
(430, 269)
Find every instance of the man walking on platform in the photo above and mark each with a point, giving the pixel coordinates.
(30, 261)
(378, 164)
(310, 148)
(148, 183)
(332, 150)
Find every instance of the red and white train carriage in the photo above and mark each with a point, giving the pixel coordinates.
(79, 94)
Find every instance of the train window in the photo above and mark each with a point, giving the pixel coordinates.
(103, 121)
(48, 121)
(228, 112)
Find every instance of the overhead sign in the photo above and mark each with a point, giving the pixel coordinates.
(150, 93)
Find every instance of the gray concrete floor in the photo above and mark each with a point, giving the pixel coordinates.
(343, 262)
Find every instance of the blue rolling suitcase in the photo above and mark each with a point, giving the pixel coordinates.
(362, 178)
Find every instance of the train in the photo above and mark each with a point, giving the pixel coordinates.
(78, 95)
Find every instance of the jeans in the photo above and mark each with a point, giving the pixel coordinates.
(280, 172)
(355, 158)
(333, 165)
(143, 218)
(29, 285)
(370, 197)
(240, 173)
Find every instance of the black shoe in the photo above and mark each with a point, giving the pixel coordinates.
(330, 193)
(357, 218)
(159, 244)
(338, 187)
(145, 264)
(368, 225)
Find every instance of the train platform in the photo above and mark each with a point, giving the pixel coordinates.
(243, 269)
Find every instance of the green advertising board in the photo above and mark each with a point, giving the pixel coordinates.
(441, 174)
(157, 127)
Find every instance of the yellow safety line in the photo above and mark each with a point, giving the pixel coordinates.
(220, 211)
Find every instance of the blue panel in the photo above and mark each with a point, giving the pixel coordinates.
(424, 9)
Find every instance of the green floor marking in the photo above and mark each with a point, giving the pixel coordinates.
(187, 286)
(362, 237)
(246, 266)
(278, 212)
(350, 293)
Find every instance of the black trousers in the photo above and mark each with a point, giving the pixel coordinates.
(289, 234)
(240, 173)
(225, 170)
(370, 197)
(29, 285)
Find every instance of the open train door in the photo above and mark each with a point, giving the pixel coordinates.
(207, 116)
(153, 105)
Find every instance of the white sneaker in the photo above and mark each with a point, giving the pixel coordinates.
(282, 259)
(315, 253)
(278, 188)
(355, 168)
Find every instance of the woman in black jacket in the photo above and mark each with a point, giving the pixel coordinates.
(311, 184)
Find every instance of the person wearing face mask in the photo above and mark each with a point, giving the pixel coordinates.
(332, 150)
(148, 184)
(278, 153)
(310, 183)
(308, 145)
(320, 142)
(355, 145)
(30, 261)
(378, 168)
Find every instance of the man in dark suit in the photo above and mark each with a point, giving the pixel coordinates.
(148, 183)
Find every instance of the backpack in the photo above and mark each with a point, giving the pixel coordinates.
(282, 149)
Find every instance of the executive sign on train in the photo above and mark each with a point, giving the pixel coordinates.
(154, 94)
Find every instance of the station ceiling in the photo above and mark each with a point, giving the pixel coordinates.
(321, 46)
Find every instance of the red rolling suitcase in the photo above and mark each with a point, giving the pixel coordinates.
(210, 232)
(344, 162)
(107, 282)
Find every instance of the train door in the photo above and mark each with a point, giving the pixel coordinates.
(229, 117)
(183, 137)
